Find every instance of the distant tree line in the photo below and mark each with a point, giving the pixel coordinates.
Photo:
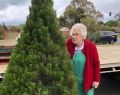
(111, 25)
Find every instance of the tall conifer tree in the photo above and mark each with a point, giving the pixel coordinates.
(39, 64)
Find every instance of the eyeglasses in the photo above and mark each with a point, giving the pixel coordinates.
(75, 34)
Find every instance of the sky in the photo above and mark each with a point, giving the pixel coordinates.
(13, 12)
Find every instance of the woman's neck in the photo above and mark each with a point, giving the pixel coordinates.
(79, 44)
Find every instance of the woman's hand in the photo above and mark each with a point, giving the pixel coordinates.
(95, 84)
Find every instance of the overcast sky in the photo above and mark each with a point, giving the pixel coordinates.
(14, 12)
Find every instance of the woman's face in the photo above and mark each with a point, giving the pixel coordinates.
(77, 38)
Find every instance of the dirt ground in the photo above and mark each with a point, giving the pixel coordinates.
(109, 53)
(8, 42)
(3, 68)
(10, 39)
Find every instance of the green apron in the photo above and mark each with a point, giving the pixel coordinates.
(78, 66)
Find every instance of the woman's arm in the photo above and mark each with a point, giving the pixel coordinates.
(96, 63)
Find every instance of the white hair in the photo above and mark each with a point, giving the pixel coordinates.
(79, 27)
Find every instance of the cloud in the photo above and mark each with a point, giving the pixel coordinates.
(60, 5)
(106, 6)
(60, 11)
(15, 13)
(5, 3)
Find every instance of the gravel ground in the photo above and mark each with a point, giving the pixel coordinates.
(109, 53)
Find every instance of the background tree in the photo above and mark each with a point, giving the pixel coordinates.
(112, 23)
(74, 15)
(71, 16)
(63, 21)
(87, 6)
(92, 28)
(101, 22)
(77, 10)
(39, 64)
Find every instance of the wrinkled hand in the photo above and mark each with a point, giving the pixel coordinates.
(95, 84)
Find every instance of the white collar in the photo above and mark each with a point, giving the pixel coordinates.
(79, 48)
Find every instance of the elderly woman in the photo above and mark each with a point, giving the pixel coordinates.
(85, 60)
